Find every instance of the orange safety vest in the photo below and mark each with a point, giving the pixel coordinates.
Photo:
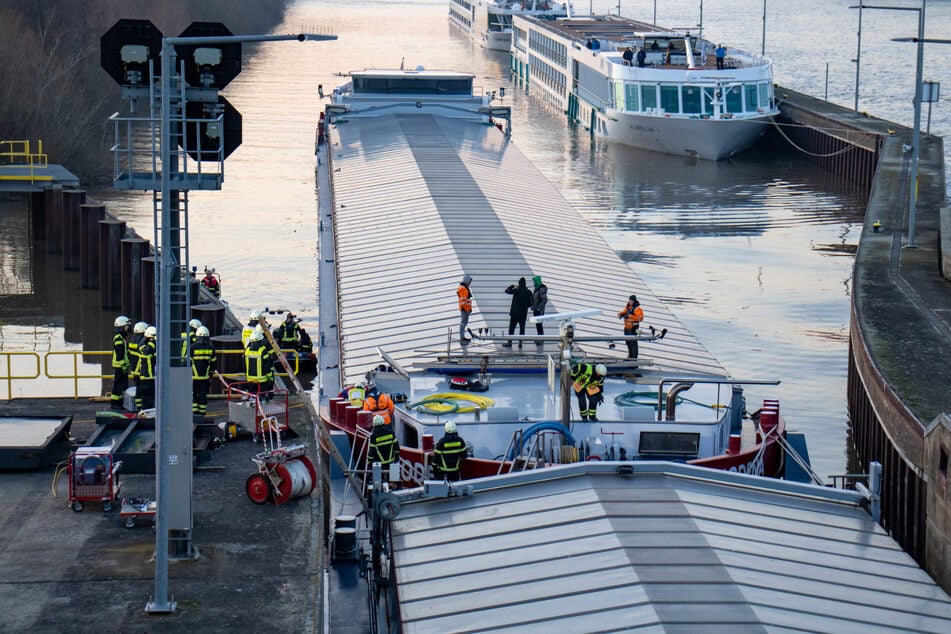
(381, 405)
(465, 298)
(632, 317)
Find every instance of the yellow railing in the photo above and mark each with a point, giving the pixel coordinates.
(10, 377)
(76, 359)
(18, 156)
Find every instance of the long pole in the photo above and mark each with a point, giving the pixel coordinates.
(858, 57)
(916, 135)
(763, 50)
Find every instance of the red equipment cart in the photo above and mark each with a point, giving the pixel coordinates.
(93, 477)
(284, 473)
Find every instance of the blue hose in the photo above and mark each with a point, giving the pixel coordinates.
(537, 427)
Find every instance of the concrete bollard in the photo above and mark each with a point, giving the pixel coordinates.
(111, 233)
(90, 215)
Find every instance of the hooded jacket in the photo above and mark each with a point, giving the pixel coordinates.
(521, 299)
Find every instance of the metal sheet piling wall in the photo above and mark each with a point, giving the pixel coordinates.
(38, 214)
(90, 215)
(111, 233)
(72, 200)
(148, 290)
(53, 219)
(133, 250)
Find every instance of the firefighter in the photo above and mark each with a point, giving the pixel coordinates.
(288, 334)
(384, 448)
(254, 320)
(120, 361)
(135, 342)
(259, 363)
(188, 338)
(203, 365)
(306, 344)
(632, 315)
(588, 384)
(145, 393)
(449, 454)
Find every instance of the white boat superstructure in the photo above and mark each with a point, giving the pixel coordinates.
(641, 85)
(489, 22)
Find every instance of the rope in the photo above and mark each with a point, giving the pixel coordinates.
(632, 398)
(779, 129)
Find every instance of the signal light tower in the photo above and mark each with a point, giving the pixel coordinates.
(192, 130)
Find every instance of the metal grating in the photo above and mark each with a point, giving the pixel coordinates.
(419, 201)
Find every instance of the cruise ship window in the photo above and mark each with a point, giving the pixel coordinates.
(648, 96)
(751, 97)
(734, 99)
(692, 99)
(670, 99)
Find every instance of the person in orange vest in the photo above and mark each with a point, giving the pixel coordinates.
(632, 315)
(380, 404)
(465, 306)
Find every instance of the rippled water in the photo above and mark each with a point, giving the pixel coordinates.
(753, 254)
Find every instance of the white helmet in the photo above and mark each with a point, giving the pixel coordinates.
(121, 321)
(450, 427)
(202, 332)
(140, 327)
(255, 315)
(259, 329)
(378, 420)
(150, 332)
(194, 323)
(601, 369)
(257, 335)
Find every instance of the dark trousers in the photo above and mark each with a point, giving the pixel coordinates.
(200, 396)
(515, 320)
(146, 392)
(720, 63)
(539, 327)
(587, 405)
(631, 345)
(120, 381)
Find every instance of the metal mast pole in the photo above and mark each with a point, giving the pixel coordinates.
(858, 57)
(763, 50)
(916, 135)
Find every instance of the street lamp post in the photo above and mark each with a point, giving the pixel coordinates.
(858, 58)
(916, 133)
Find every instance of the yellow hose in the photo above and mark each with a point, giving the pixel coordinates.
(480, 402)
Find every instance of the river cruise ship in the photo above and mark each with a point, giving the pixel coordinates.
(665, 90)
(489, 22)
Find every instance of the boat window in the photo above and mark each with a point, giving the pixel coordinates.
(764, 95)
(412, 85)
(751, 91)
(692, 99)
(410, 436)
(631, 97)
(619, 101)
(734, 99)
(670, 98)
(669, 443)
(648, 96)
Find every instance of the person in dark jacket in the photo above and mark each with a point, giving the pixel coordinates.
(539, 301)
(518, 311)
(449, 453)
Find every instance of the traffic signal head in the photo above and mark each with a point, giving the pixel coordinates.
(126, 50)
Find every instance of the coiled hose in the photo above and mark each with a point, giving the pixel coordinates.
(534, 429)
(446, 403)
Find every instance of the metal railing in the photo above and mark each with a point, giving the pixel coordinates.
(9, 377)
(45, 365)
(18, 155)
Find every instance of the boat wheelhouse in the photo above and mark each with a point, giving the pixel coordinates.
(489, 22)
(434, 172)
(669, 94)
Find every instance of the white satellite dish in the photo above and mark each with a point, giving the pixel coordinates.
(574, 314)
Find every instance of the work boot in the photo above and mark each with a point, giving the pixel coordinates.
(584, 417)
(593, 418)
(507, 344)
